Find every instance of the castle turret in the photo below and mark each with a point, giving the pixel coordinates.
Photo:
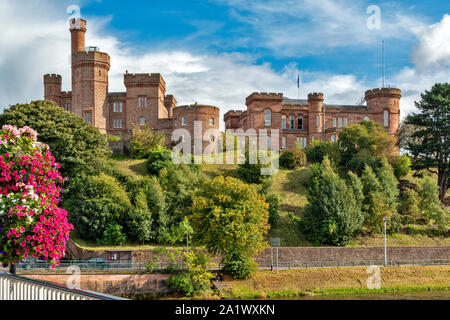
(315, 119)
(384, 105)
(78, 32)
(52, 88)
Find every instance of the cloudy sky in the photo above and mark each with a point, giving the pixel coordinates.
(220, 51)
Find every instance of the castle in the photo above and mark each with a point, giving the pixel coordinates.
(301, 121)
(145, 101)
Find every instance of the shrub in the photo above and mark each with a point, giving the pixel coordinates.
(319, 150)
(113, 235)
(158, 159)
(239, 266)
(144, 141)
(78, 146)
(251, 173)
(401, 165)
(292, 159)
(430, 205)
(333, 213)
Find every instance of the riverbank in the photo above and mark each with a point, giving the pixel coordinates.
(336, 281)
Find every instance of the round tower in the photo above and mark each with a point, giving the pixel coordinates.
(315, 121)
(384, 105)
(52, 88)
(78, 33)
(90, 69)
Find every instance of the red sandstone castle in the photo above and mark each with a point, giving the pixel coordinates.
(144, 103)
(301, 121)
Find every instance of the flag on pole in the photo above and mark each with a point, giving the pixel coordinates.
(298, 81)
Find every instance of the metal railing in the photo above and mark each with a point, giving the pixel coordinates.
(22, 288)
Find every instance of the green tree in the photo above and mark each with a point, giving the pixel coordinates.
(230, 217)
(94, 202)
(251, 172)
(365, 143)
(293, 158)
(144, 140)
(318, 150)
(78, 146)
(430, 143)
(113, 235)
(158, 159)
(430, 207)
(332, 215)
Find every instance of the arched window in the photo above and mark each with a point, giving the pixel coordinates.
(283, 142)
(211, 121)
(386, 118)
(267, 118)
(291, 122)
(300, 122)
(268, 142)
(339, 122)
(183, 121)
(345, 121)
(283, 121)
(317, 121)
(333, 139)
(334, 122)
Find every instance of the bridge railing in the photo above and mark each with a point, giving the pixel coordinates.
(22, 288)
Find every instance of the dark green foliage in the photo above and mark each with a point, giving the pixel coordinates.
(113, 235)
(158, 159)
(429, 142)
(430, 207)
(292, 159)
(75, 144)
(94, 202)
(239, 266)
(274, 209)
(251, 173)
(333, 214)
(318, 150)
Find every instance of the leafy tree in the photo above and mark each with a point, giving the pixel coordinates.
(94, 202)
(401, 165)
(113, 235)
(77, 145)
(240, 266)
(430, 207)
(430, 142)
(409, 205)
(319, 150)
(364, 143)
(158, 159)
(144, 140)
(333, 215)
(230, 217)
(251, 172)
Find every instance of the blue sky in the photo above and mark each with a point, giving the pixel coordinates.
(220, 51)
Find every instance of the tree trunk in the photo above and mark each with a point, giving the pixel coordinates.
(12, 269)
(443, 183)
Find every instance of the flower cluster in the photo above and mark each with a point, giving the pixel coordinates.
(31, 223)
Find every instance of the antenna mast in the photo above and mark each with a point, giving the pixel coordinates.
(382, 63)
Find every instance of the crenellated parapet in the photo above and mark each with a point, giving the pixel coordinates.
(52, 78)
(384, 92)
(264, 97)
(143, 80)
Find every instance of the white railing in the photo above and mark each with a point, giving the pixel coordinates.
(22, 288)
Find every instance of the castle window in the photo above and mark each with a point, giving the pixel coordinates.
(283, 122)
(300, 122)
(334, 122)
(386, 118)
(142, 121)
(304, 142)
(67, 107)
(267, 118)
(211, 138)
(283, 142)
(340, 123)
(268, 142)
(333, 139)
(117, 123)
(88, 117)
(211, 121)
(117, 106)
(291, 122)
(183, 121)
(317, 121)
(345, 121)
(142, 101)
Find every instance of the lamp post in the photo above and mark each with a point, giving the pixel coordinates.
(385, 248)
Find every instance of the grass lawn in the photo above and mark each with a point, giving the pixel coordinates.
(300, 282)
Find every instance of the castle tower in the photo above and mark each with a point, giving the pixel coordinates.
(145, 99)
(52, 88)
(384, 105)
(90, 69)
(315, 119)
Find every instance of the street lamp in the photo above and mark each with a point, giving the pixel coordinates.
(385, 249)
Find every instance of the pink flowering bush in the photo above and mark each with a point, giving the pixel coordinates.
(31, 223)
